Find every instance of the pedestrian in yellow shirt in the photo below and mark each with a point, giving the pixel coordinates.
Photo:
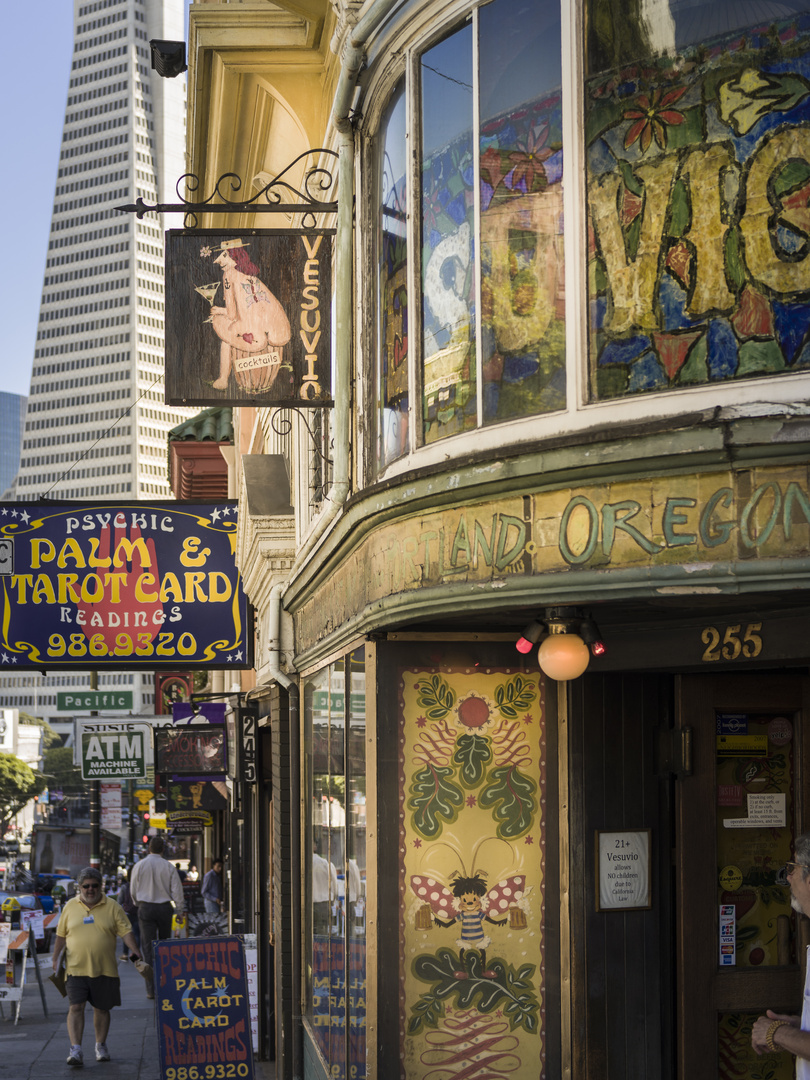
(88, 929)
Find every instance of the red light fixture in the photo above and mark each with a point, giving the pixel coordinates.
(531, 635)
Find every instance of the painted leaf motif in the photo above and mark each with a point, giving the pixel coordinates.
(515, 696)
(434, 800)
(512, 795)
(511, 990)
(473, 754)
(746, 99)
(435, 697)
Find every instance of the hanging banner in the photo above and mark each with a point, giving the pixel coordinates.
(125, 585)
(110, 796)
(196, 795)
(203, 1013)
(248, 317)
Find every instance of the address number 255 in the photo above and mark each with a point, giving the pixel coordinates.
(733, 643)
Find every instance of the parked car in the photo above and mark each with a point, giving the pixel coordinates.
(29, 902)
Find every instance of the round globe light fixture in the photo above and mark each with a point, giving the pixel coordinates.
(563, 656)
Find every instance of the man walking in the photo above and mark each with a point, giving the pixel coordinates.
(211, 891)
(158, 892)
(88, 929)
(778, 1031)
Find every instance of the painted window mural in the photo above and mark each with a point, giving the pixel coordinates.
(473, 833)
(698, 174)
(491, 345)
(392, 310)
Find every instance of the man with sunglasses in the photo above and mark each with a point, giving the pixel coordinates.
(777, 1031)
(88, 929)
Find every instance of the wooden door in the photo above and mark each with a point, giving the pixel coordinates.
(739, 947)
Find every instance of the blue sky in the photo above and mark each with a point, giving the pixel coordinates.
(33, 86)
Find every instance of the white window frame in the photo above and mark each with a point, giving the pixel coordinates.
(399, 49)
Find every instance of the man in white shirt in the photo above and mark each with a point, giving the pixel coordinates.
(324, 892)
(778, 1031)
(155, 887)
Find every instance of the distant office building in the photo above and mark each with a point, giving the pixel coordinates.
(12, 424)
(96, 426)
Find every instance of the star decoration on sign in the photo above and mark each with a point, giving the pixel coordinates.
(417, 843)
(24, 517)
(529, 840)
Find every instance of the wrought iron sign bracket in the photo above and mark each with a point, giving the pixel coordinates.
(310, 195)
(282, 425)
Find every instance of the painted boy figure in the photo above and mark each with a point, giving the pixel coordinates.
(472, 915)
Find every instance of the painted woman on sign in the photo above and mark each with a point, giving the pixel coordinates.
(252, 326)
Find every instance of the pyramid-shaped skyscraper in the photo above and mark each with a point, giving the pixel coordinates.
(96, 423)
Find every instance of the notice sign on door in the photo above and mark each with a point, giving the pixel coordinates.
(765, 811)
(623, 870)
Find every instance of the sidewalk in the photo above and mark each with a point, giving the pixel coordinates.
(37, 1049)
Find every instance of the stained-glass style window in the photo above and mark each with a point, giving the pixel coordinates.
(448, 293)
(521, 165)
(698, 174)
(490, 229)
(392, 344)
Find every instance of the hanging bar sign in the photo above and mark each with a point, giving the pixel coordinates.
(126, 586)
(248, 317)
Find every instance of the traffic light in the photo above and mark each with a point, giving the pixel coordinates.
(145, 827)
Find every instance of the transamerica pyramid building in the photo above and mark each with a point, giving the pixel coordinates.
(96, 425)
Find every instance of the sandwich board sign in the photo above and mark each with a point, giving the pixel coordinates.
(114, 750)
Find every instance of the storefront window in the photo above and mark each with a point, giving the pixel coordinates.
(698, 173)
(489, 222)
(334, 715)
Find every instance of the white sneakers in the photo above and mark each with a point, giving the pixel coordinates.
(102, 1053)
(75, 1057)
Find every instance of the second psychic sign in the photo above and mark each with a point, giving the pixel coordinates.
(203, 1010)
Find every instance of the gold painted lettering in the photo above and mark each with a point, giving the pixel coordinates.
(632, 284)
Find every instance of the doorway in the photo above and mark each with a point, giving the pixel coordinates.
(740, 948)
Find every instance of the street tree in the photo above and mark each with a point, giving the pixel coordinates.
(61, 773)
(18, 785)
(49, 736)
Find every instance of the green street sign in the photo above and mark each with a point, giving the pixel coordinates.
(94, 700)
(114, 754)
